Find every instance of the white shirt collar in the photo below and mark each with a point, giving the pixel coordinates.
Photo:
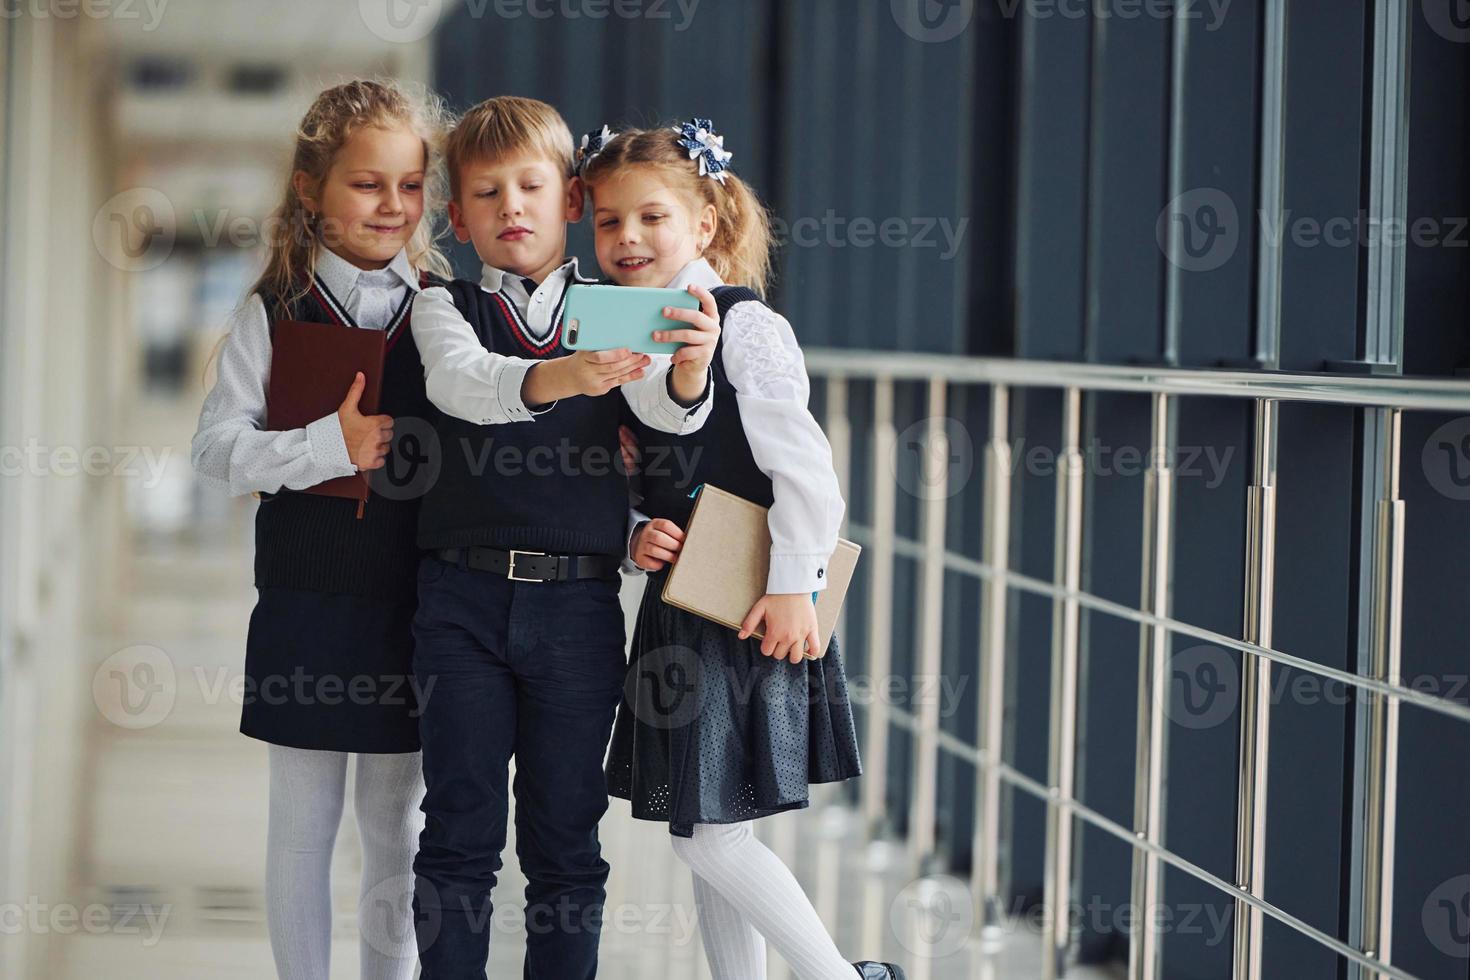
(492, 279)
(696, 273)
(340, 276)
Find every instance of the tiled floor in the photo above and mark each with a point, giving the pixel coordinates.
(175, 823)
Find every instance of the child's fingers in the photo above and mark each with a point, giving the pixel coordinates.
(624, 365)
(752, 619)
(707, 302)
(659, 539)
(699, 318)
(684, 336)
(624, 379)
(814, 649)
(668, 527)
(662, 555)
(607, 356)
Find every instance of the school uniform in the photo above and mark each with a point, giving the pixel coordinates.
(519, 628)
(328, 661)
(710, 731)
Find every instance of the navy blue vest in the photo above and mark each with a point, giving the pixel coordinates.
(556, 484)
(718, 453)
(318, 543)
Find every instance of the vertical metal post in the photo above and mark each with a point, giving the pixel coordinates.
(934, 482)
(839, 435)
(1066, 623)
(1255, 693)
(880, 609)
(1153, 690)
(838, 427)
(1381, 782)
(1272, 183)
(991, 724)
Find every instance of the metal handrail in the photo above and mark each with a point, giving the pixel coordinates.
(1380, 391)
(1383, 399)
(965, 565)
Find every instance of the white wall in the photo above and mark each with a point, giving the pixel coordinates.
(59, 300)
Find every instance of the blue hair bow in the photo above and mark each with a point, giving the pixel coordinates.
(699, 138)
(592, 144)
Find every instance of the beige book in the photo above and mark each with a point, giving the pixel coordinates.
(722, 566)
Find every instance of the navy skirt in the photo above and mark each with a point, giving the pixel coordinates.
(711, 731)
(331, 671)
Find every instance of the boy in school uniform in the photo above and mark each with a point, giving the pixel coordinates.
(525, 529)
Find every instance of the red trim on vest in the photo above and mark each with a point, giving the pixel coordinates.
(515, 328)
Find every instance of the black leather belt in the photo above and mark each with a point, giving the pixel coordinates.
(533, 566)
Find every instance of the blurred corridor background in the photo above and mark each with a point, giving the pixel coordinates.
(1139, 331)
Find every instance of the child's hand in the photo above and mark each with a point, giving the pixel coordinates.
(791, 625)
(691, 362)
(656, 543)
(367, 436)
(596, 372)
(586, 372)
(628, 446)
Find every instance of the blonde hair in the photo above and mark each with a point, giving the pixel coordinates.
(335, 115)
(740, 251)
(504, 126)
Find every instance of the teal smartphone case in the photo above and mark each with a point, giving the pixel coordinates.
(609, 317)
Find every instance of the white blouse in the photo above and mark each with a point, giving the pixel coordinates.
(764, 364)
(231, 447)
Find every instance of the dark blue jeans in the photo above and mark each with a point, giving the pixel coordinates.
(534, 670)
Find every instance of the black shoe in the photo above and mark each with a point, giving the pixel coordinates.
(869, 970)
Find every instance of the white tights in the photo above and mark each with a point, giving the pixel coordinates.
(307, 791)
(746, 896)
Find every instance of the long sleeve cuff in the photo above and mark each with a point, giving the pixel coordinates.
(669, 416)
(508, 392)
(797, 573)
(329, 447)
(635, 518)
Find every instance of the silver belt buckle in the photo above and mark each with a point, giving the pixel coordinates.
(510, 571)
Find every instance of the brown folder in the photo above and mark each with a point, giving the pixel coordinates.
(726, 556)
(312, 366)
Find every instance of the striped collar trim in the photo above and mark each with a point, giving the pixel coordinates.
(340, 316)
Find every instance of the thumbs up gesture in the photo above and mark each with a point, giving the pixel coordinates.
(367, 436)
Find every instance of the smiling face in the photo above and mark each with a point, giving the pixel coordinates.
(516, 211)
(369, 204)
(646, 230)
